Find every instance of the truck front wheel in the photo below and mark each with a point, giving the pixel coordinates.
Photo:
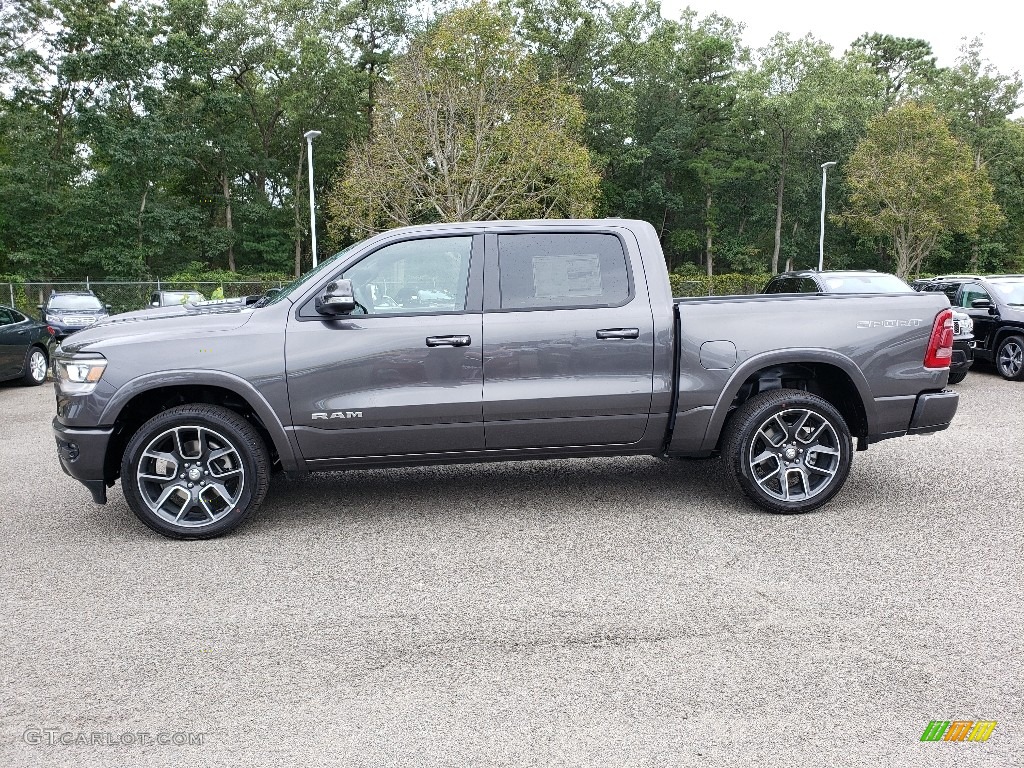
(789, 450)
(195, 471)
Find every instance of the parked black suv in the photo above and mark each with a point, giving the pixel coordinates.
(67, 312)
(996, 305)
(870, 281)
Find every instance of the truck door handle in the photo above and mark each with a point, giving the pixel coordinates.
(619, 333)
(449, 341)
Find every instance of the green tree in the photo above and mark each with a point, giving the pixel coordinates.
(798, 96)
(912, 181)
(904, 66)
(466, 131)
(977, 101)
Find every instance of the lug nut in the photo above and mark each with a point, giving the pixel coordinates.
(190, 485)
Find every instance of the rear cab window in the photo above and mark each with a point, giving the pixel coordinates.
(562, 270)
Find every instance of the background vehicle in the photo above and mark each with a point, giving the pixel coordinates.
(573, 346)
(26, 347)
(170, 298)
(870, 281)
(68, 312)
(995, 305)
(836, 281)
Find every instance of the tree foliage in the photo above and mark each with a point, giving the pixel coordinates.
(912, 181)
(466, 130)
(140, 137)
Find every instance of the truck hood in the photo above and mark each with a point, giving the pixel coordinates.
(158, 323)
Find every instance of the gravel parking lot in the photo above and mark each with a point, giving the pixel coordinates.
(584, 612)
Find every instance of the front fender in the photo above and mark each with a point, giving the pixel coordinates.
(180, 378)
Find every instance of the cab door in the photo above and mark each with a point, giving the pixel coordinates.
(568, 341)
(402, 374)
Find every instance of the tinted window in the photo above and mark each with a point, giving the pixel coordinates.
(880, 283)
(971, 292)
(6, 318)
(562, 270)
(807, 285)
(71, 302)
(949, 289)
(783, 285)
(429, 275)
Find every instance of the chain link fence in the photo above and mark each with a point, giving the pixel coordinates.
(128, 296)
(122, 296)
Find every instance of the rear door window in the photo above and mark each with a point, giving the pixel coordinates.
(547, 271)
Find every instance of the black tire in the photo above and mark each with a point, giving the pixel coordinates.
(220, 476)
(955, 377)
(800, 436)
(1010, 358)
(35, 369)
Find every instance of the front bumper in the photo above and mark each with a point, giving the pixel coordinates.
(933, 412)
(82, 454)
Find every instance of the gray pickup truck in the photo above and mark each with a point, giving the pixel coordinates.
(492, 341)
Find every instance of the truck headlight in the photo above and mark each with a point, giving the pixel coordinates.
(78, 376)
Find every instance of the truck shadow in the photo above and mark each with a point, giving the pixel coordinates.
(529, 489)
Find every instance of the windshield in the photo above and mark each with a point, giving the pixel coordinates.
(880, 283)
(1010, 293)
(69, 302)
(298, 283)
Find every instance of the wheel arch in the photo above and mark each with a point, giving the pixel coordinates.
(141, 399)
(1003, 332)
(823, 372)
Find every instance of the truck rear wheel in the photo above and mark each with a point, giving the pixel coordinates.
(195, 471)
(789, 451)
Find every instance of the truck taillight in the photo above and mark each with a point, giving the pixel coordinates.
(940, 345)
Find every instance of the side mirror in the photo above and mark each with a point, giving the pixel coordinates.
(337, 299)
(981, 304)
(107, 307)
(154, 303)
(272, 292)
(40, 307)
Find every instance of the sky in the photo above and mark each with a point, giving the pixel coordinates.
(942, 23)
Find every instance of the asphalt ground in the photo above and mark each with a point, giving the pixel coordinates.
(612, 612)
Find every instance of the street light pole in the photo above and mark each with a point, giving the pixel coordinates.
(821, 240)
(310, 135)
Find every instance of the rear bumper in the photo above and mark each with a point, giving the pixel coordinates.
(933, 412)
(82, 454)
(963, 355)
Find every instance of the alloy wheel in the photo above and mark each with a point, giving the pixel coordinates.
(191, 476)
(795, 454)
(1011, 359)
(37, 366)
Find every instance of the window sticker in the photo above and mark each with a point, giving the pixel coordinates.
(567, 275)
